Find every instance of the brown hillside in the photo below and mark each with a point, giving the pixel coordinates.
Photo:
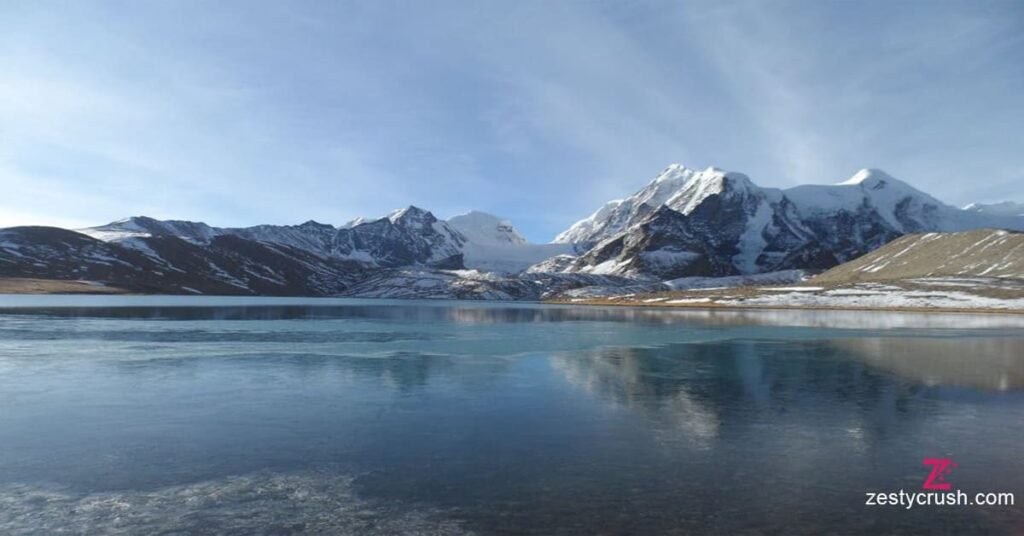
(981, 253)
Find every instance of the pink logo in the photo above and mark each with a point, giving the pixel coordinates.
(937, 478)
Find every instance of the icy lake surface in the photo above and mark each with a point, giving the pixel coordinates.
(140, 415)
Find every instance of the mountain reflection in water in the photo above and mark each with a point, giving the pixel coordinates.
(142, 414)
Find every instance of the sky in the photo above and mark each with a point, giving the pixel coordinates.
(245, 112)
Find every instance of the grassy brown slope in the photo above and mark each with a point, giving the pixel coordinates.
(981, 253)
(24, 285)
(986, 263)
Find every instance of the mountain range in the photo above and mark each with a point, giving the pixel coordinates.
(683, 223)
(717, 223)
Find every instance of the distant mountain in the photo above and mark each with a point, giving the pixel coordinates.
(142, 226)
(718, 223)
(486, 229)
(684, 224)
(410, 236)
(228, 264)
(494, 245)
(407, 237)
(1006, 208)
(166, 264)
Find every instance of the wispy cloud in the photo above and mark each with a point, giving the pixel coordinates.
(246, 112)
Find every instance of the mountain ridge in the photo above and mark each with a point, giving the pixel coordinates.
(682, 223)
(750, 229)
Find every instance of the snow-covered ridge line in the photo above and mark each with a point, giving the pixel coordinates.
(686, 222)
(409, 236)
(683, 223)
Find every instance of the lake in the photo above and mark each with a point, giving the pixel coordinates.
(183, 415)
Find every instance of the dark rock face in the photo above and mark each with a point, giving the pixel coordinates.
(848, 235)
(411, 237)
(712, 240)
(811, 256)
(663, 246)
(52, 253)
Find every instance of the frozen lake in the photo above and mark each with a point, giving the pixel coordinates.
(131, 415)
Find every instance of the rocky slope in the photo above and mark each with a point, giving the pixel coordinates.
(475, 285)
(142, 256)
(226, 264)
(411, 236)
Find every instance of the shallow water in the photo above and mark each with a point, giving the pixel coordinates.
(250, 415)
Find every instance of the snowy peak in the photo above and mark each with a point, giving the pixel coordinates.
(663, 186)
(880, 185)
(870, 177)
(486, 229)
(708, 222)
(354, 221)
(711, 181)
(1006, 208)
(410, 236)
(680, 188)
(411, 215)
(143, 226)
(618, 214)
(737, 226)
(494, 245)
(900, 206)
(406, 237)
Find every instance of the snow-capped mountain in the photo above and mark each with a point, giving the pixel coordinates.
(1006, 208)
(226, 264)
(142, 226)
(706, 223)
(229, 264)
(410, 236)
(684, 224)
(617, 215)
(486, 229)
(718, 223)
(494, 245)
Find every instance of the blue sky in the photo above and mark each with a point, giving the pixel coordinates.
(238, 113)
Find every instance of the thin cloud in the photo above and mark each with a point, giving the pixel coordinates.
(251, 112)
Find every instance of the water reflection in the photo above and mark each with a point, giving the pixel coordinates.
(989, 363)
(869, 386)
(514, 419)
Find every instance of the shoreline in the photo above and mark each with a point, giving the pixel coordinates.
(49, 287)
(783, 307)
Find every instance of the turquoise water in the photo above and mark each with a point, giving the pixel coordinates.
(128, 415)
